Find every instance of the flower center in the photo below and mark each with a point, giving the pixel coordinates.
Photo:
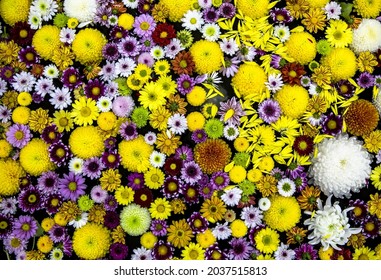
(193, 254)
(72, 79)
(154, 178)
(163, 35)
(60, 152)
(160, 208)
(162, 250)
(292, 74)
(143, 197)
(3, 225)
(15, 242)
(183, 64)
(54, 202)
(357, 211)
(96, 91)
(25, 227)
(172, 186)
(32, 198)
(29, 56)
(332, 124)
(85, 111)
(19, 135)
(144, 26)
(23, 33)
(197, 223)
(337, 35)
(72, 186)
(63, 121)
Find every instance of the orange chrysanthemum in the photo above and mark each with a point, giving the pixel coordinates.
(212, 155)
(361, 118)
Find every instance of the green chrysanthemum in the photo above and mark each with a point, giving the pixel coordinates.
(323, 47)
(135, 220)
(85, 203)
(140, 116)
(247, 187)
(214, 128)
(60, 20)
(241, 159)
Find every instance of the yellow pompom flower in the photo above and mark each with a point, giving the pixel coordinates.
(24, 98)
(254, 175)
(195, 120)
(44, 244)
(34, 157)
(207, 56)
(293, 100)
(250, 80)
(91, 241)
(206, 238)
(5, 148)
(12, 11)
(327, 254)
(47, 224)
(284, 213)
(126, 21)
(87, 45)
(241, 144)
(368, 9)
(266, 164)
(253, 8)
(10, 174)
(86, 142)
(148, 240)
(317, 3)
(21, 115)
(135, 154)
(237, 174)
(301, 46)
(239, 228)
(342, 62)
(197, 96)
(124, 195)
(60, 219)
(160, 209)
(106, 120)
(46, 40)
(177, 9)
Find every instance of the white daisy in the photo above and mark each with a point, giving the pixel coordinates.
(51, 71)
(133, 4)
(264, 204)
(104, 104)
(157, 52)
(3, 86)
(312, 89)
(274, 82)
(211, 32)
(67, 35)
(315, 119)
(284, 253)
(83, 10)
(367, 36)
(213, 79)
(231, 132)
(192, 20)
(229, 46)
(23, 81)
(177, 124)
(113, 20)
(5, 114)
(150, 138)
(282, 32)
(76, 165)
(173, 48)
(286, 187)
(341, 166)
(60, 98)
(140, 254)
(108, 71)
(56, 254)
(157, 159)
(34, 20)
(252, 216)
(112, 89)
(332, 10)
(125, 66)
(8, 206)
(247, 53)
(222, 231)
(80, 221)
(232, 197)
(205, 3)
(44, 86)
(46, 8)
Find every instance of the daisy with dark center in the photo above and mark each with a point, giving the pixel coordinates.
(8, 206)
(72, 186)
(176, 104)
(143, 197)
(219, 180)
(128, 130)
(191, 172)
(111, 159)
(206, 191)
(365, 80)
(135, 180)
(29, 56)
(172, 187)
(52, 202)
(129, 47)
(185, 84)
(110, 51)
(371, 227)
(71, 78)
(269, 111)
(30, 199)
(118, 251)
(303, 145)
(159, 227)
(110, 203)
(179, 233)
(281, 15)
(215, 253)
(308, 198)
(6, 225)
(190, 194)
(197, 223)
(306, 252)
(240, 249)
(19, 135)
(57, 233)
(22, 34)
(292, 72)
(332, 124)
(199, 136)
(162, 250)
(93, 167)
(227, 10)
(25, 227)
(50, 134)
(94, 89)
(59, 153)
(359, 211)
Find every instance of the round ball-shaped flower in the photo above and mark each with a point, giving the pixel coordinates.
(91, 242)
(34, 157)
(361, 117)
(253, 8)
(293, 100)
(10, 174)
(368, 9)
(135, 220)
(250, 79)
(301, 46)
(317, 3)
(207, 56)
(86, 142)
(5, 148)
(12, 11)
(342, 62)
(88, 44)
(135, 154)
(341, 166)
(176, 9)
(46, 40)
(212, 155)
(366, 37)
(83, 10)
(283, 214)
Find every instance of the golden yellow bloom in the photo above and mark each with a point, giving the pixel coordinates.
(178, 206)
(322, 76)
(364, 253)
(167, 143)
(297, 8)
(373, 141)
(179, 233)
(296, 235)
(8, 52)
(159, 118)
(314, 20)
(110, 180)
(308, 198)
(374, 205)
(35, 255)
(39, 119)
(356, 240)
(317, 104)
(97, 213)
(44, 244)
(366, 61)
(267, 185)
(118, 235)
(63, 57)
(213, 209)
(160, 12)
(70, 210)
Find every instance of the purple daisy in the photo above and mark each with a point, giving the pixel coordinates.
(52, 203)
(71, 78)
(359, 212)
(98, 194)
(122, 106)
(128, 130)
(219, 180)
(146, 43)
(117, 33)
(173, 48)
(215, 253)
(19, 135)
(25, 227)
(206, 191)
(50, 134)
(197, 223)
(110, 203)
(185, 84)
(15, 245)
(110, 143)
(93, 167)
(144, 25)
(111, 219)
(231, 66)
(172, 187)
(67, 246)
(240, 249)
(275, 61)
(8, 206)
(211, 14)
(136, 180)
(57, 233)
(281, 15)
(277, 173)
(94, 89)
(191, 172)
(129, 46)
(345, 89)
(29, 56)
(111, 160)
(59, 153)
(102, 15)
(6, 226)
(6, 73)
(233, 107)
(108, 73)
(190, 193)
(365, 80)
(162, 250)
(294, 170)
(146, 58)
(48, 182)
(110, 51)
(332, 124)
(184, 153)
(159, 227)
(30, 199)
(371, 227)
(227, 10)
(118, 251)
(305, 252)
(199, 136)
(72, 186)
(269, 111)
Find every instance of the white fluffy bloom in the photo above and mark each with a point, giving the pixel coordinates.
(342, 165)
(211, 32)
(329, 225)
(83, 10)
(232, 197)
(367, 37)
(282, 32)
(222, 231)
(192, 20)
(286, 187)
(264, 204)
(157, 159)
(177, 124)
(80, 221)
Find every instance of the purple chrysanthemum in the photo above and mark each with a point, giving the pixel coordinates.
(240, 249)
(111, 160)
(128, 130)
(345, 88)
(29, 56)
(6, 226)
(371, 227)
(8, 206)
(15, 245)
(359, 212)
(171, 187)
(211, 14)
(110, 203)
(135, 180)
(191, 172)
(184, 153)
(122, 106)
(206, 191)
(30, 199)
(185, 84)
(281, 15)
(190, 193)
(50, 134)
(117, 33)
(71, 78)
(92, 168)
(118, 251)
(269, 111)
(227, 10)
(294, 170)
(18, 135)
(129, 46)
(332, 124)
(197, 223)
(72, 186)
(94, 89)
(305, 252)
(199, 136)
(219, 180)
(365, 80)
(146, 58)
(52, 203)
(25, 227)
(159, 227)
(67, 246)
(57, 233)
(162, 251)
(111, 219)
(110, 51)
(233, 107)
(215, 253)
(146, 43)
(59, 153)
(110, 143)
(98, 194)
(144, 25)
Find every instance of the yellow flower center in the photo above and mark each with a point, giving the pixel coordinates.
(197, 223)
(3, 225)
(32, 198)
(60, 152)
(19, 135)
(29, 56)
(143, 197)
(357, 211)
(162, 250)
(337, 35)
(332, 124)
(193, 254)
(63, 121)
(54, 202)
(363, 257)
(52, 135)
(96, 91)
(280, 17)
(167, 142)
(163, 35)
(144, 25)
(303, 145)
(85, 111)
(292, 74)
(193, 21)
(111, 158)
(369, 226)
(72, 79)
(216, 255)
(25, 227)
(154, 178)
(191, 192)
(23, 33)
(136, 181)
(72, 186)
(15, 242)
(160, 208)
(343, 88)
(172, 186)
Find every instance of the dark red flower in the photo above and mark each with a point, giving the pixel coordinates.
(163, 34)
(303, 145)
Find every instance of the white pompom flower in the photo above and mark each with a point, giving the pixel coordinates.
(341, 166)
(367, 36)
(83, 10)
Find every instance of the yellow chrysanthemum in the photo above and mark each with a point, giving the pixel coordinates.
(237, 174)
(179, 233)
(160, 209)
(213, 209)
(241, 144)
(193, 252)
(63, 120)
(154, 178)
(301, 46)
(126, 21)
(12, 11)
(197, 96)
(364, 253)
(206, 238)
(367, 8)
(44, 244)
(152, 96)
(88, 44)
(250, 80)
(338, 34)
(5, 148)
(110, 179)
(86, 142)
(106, 120)
(284, 213)
(317, 3)
(342, 62)
(10, 174)
(314, 20)
(239, 228)
(124, 195)
(39, 119)
(91, 241)
(373, 141)
(177, 9)
(159, 118)
(253, 8)
(46, 40)
(85, 111)
(148, 240)
(135, 154)
(207, 56)
(21, 115)
(267, 240)
(326, 254)
(195, 120)
(34, 157)
(293, 100)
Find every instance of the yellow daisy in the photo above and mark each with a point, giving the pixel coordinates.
(179, 233)
(154, 178)
(85, 111)
(152, 96)
(338, 34)
(193, 252)
(63, 120)
(160, 209)
(267, 240)
(124, 195)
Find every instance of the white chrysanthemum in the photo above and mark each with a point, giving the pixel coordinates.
(342, 165)
(76, 165)
(367, 36)
(286, 187)
(157, 159)
(211, 32)
(264, 204)
(80, 221)
(282, 32)
(192, 20)
(51, 71)
(329, 225)
(177, 124)
(232, 197)
(104, 104)
(83, 10)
